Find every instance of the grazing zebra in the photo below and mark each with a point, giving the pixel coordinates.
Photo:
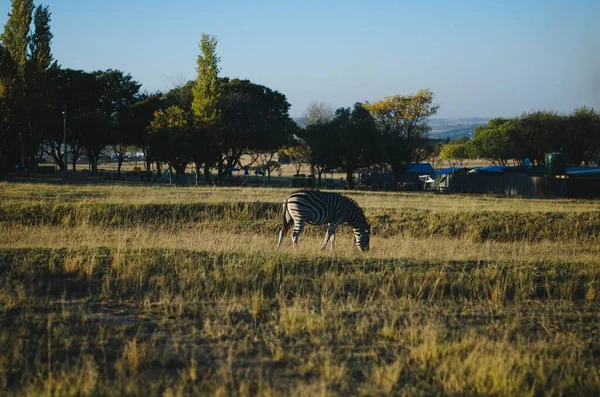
(317, 208)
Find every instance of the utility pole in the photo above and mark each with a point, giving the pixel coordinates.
(65, 175)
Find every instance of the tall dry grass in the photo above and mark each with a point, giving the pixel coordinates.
(179, 291)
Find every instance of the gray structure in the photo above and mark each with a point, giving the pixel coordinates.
(578, 182)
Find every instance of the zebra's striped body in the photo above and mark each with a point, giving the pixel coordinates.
(317, 208)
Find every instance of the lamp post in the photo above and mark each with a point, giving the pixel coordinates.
(65, 164)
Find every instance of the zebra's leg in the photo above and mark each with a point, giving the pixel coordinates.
(285, 225)
(282, 234)
(330, 233)
(298, 226)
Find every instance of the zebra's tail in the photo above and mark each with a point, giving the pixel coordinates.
(284, 224)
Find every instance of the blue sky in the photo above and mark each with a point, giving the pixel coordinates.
(480, 58)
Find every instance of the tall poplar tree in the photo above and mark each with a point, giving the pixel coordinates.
(16, 32)
(207, 93)
(30, 52)
(41, 39)
(207, 90)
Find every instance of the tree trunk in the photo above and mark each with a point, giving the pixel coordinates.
(119, 164)
(33, 163)
(179, 168)
(319, 172)
(58, 159)
(3, 166)
(220, 174)
(148, 164)
(74, 159)
(398, 170)
(197, 164)
(207, 173)
(158, 170)
(23, 157)
(94, 165)
(350, 179)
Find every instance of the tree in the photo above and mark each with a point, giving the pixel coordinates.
(135, 122)
(92, 131)
(582, 137)
(459, 152)
(207, 88)
(536, 133)
(76, 92)
(30, 52)
(16, 32)
(207, 91)
(170, 136)
(39, 85)
(358, 139)
(316, 113)
(322, 140)
(459, 140)
(493, 141)
(253, 118)
(8, 94)
(299, 154)
(402, 123)
(114, 92)
(273, 128)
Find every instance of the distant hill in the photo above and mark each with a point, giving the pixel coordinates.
(452, 128)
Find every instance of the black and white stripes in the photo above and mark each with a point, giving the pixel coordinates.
(316, 208)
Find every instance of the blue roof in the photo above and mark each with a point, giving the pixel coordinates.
(421, 168)
(447, 171)
(493, 169)
(581, 171)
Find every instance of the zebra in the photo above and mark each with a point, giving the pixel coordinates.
(316, 208)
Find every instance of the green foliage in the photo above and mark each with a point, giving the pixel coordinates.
(171, 134)
(31, 54)
(460, 140)
(402, 123)
(459, 152)
(582, 137)
(39, 46)
(322, 139)
(493, 142)
(16, 32)
(253, 117)
(9, 93)
(358, 139)
(207, 89)
(533, 134)
(135, 121)
(298, 153)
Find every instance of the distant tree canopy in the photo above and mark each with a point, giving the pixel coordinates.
(532, 135)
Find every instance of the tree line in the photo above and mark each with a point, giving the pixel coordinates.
(532, 135)
(213, 121)
(210, 122)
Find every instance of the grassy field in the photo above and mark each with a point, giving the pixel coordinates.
(117, 290)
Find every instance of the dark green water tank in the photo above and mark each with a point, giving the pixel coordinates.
(556, 163)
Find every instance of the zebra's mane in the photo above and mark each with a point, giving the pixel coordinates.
(363, 218)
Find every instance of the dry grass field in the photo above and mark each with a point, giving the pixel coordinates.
(132, 290)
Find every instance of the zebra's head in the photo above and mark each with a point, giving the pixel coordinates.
(362, 238)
